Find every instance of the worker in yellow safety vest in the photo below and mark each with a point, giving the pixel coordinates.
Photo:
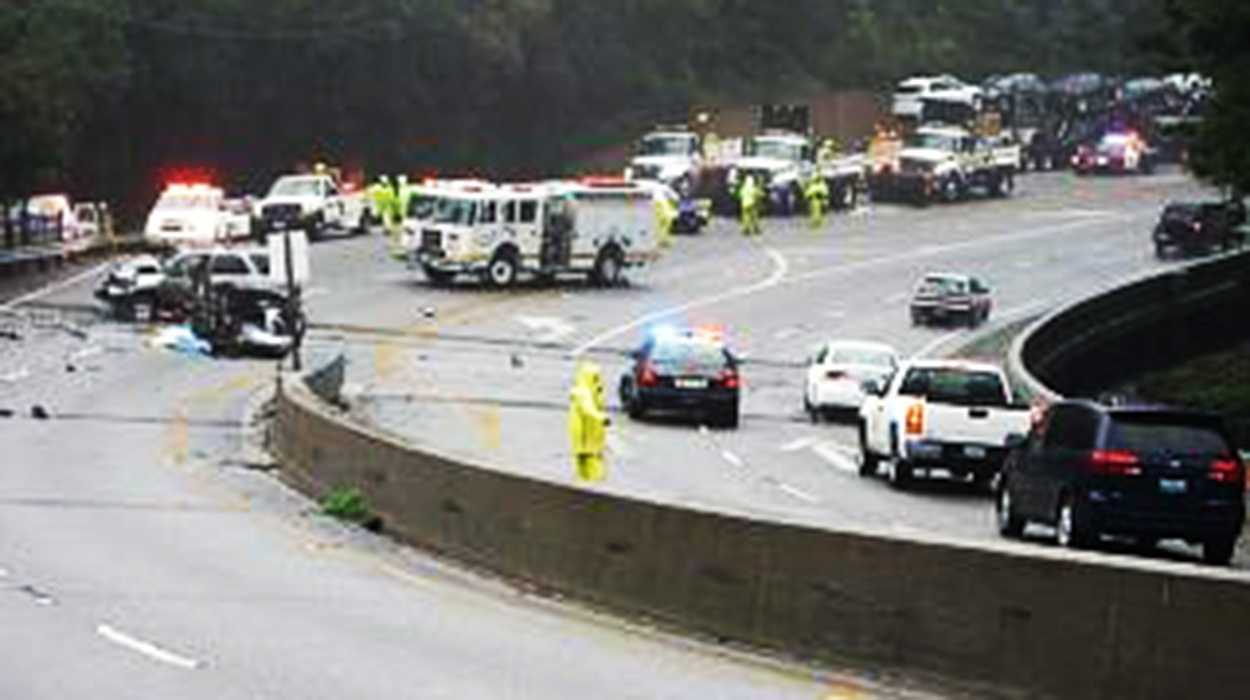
(749, 197)
(381, 193)
(665, 217)
(588, 422)
(817, 194)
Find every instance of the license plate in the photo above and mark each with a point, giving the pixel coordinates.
(691, 383)
(1173, 486)
(974, 452)
(279, 225)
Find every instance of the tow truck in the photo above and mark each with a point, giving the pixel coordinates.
(944, 163)
(315, 203)
(597, 227)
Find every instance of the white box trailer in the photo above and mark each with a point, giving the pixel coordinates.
(599, 227)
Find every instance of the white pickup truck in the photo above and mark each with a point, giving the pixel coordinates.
(935, 415)
(312, 203)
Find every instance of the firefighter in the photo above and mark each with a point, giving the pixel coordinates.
(665, 217)
(588, 422)
(399, 205)
(817, 194)
(749, 199)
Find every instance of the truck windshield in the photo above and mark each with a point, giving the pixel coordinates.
(954, 386)
(784, 150)
(421, 206)
(666, 146)
(295, 187)
(941, 142)
(454, 211)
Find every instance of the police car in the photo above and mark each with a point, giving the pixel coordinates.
(686, 372)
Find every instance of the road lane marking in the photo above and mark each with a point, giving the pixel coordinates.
(936, 343)
(732, 458)
(799, 444)
(52, 289)
(781, 268)
(148, 649)
(797, 492)
(834, 456)
(781, 274)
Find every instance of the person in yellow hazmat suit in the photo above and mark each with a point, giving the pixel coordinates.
(588, 422)
(399, 206)
(380, 194)
(817, 194)
(749, 201)
(665, 217)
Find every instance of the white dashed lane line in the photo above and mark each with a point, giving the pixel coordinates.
(147, 649)
(732, 458)
(839, 456)
(799, 444)
(797, 493)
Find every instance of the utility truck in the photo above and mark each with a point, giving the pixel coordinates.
(315, 203)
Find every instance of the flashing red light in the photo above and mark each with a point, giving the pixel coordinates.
(606, 181)
(1115, 463)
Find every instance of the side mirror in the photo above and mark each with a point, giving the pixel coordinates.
(872, 387)
(1015, 441)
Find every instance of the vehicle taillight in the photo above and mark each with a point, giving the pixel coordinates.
(1225, 470)
(914, 423)
(835, 374)
(648, 376)
(1115, 463)
(730, 379)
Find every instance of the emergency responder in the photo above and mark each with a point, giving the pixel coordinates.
(749, 197)
(588, 422)
(381, 193)
(399, 205)
(665, 217)
(828, 151)
(817, 193)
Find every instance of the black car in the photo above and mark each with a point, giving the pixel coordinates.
(689, 372)
(1198, 227)
(1149, 473)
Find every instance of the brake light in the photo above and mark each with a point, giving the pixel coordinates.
(1115, 463)
(730, 379)
(914, 422)
(648, 376)
(1225, 470)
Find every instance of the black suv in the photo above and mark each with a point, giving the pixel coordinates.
(1198, 227)
(683, 371)
(1146, 472)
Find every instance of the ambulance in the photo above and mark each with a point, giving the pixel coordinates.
(195, 216)
(598, 227)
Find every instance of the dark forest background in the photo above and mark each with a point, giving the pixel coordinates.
(105, 98)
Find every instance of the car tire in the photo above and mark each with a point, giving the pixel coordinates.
(1161, 252)
(635, 408)
(501, 273)
(608, 270)
(438, 278)
(952, 189)
(868, 462)
(900, 474)
(813, 413)
(1010, 524)
(1219, 551)
(1004, 186)
(1072, 526)
(729, 418)
(917, 318)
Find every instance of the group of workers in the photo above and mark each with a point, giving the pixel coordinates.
(751, 203)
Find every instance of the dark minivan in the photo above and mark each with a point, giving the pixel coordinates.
(1146, 472)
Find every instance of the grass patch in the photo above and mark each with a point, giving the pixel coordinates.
(994, 346)
(1218, 382)
(350, 506)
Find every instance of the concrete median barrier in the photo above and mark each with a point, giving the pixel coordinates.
(1036, 624)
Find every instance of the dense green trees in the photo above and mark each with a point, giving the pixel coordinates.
(106, 96)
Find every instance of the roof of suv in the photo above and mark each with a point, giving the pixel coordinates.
(1138, 407)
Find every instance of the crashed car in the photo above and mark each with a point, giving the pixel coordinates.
(130, 283)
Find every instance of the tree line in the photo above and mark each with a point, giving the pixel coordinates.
(108, 98)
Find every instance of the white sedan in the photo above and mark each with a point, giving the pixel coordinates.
(835, 375)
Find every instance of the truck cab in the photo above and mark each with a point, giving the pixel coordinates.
(668, 156)
(780, 162)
